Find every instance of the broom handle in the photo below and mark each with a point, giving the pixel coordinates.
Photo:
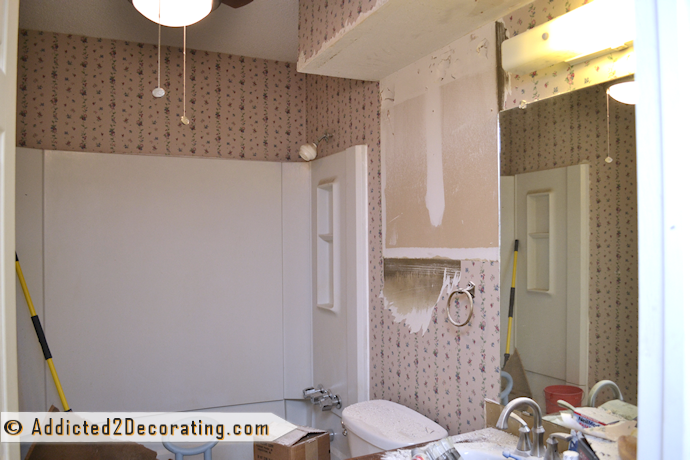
(41, 336)
(512, 303)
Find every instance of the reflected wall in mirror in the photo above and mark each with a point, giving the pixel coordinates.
(559, 132)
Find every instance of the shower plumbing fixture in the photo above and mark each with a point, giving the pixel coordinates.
(314, 394)
(329, 401)
(308, 151)
(324, 398)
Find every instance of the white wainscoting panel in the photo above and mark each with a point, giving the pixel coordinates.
(163, 281)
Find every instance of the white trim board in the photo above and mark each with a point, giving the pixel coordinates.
(445, 253)
(663, 230)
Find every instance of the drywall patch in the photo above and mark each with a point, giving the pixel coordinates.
(413, 287)
(435, 195)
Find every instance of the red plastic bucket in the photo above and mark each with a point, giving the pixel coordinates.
(568, 393)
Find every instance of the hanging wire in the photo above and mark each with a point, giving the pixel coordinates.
(184, 119)
(158, 91)
(608, 130)
(159, 43)
(159, 47)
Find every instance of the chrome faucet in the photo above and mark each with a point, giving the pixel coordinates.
(538, 449)
(594, 392)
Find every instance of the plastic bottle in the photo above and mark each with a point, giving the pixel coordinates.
(419, 454)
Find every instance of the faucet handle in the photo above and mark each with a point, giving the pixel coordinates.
(329, 400)
(314, 394)
(519, 419)
(524, 445)
(552, 446)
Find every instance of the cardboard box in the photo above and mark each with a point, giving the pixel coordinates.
(302, 443)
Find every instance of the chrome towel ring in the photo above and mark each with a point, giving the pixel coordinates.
(469, 292)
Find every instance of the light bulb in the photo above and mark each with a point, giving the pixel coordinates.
(174, 13)
(625, 92)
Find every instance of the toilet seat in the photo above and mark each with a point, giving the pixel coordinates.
(388, 425)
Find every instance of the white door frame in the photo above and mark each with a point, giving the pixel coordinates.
(9, 400)
(359, 209)
(664, 249)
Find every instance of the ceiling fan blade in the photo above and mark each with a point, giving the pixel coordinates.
(236, 3)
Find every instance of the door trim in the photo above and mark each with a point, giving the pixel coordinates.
(362, 264)
(577, 272)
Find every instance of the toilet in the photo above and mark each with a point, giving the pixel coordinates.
(379, 425)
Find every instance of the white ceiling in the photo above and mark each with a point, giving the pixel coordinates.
(263, 29)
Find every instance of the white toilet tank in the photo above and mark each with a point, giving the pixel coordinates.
(378, 425)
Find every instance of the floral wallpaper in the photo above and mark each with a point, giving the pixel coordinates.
(560, 78)
(320, 21)
(91, 94)
(568, 130)
(443, 372)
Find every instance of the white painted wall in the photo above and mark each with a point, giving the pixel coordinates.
(163, 281)
(297, 295)
(171, 284)
(664, 229)
(29, 230)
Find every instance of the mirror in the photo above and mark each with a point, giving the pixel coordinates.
(575, 216)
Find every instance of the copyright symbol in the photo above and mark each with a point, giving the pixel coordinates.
(13, 427)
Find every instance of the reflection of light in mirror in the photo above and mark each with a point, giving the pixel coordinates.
(625, 92)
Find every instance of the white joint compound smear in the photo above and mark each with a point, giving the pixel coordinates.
(435, 195)
(401, 454)
(390, 422)
(418, 320)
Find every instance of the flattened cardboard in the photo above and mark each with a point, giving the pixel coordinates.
(302, 443)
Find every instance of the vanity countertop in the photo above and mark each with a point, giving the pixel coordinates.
(489, 439)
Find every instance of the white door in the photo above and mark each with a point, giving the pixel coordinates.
(340, 284)
(551, 294)
(9, 21)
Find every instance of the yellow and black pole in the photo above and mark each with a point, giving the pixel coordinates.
(506, 356)
(41, 336)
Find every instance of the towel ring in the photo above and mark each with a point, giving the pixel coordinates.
(469, 292)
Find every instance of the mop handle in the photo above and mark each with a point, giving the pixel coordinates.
(512, 302)
(41, 335)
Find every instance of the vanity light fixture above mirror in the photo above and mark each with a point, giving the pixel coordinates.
(589, 31)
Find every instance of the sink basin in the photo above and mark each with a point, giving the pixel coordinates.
(479, 455)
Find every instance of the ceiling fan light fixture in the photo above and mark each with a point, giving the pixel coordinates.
(174, 13)
(625, 92)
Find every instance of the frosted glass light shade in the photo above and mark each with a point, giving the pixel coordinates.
(174, 13)
(625, 92)
(307, 152)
